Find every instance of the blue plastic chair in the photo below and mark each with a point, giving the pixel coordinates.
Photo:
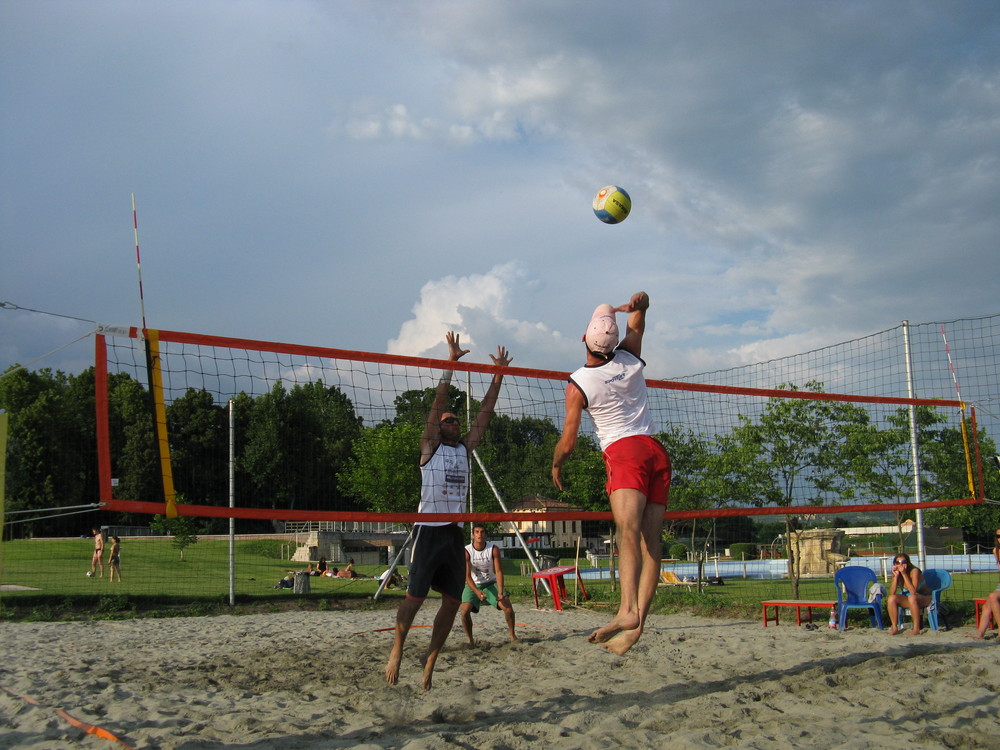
(937, 581)
(853, 582)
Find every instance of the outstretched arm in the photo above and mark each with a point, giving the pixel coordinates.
(571, 428)
(636, 327)
(431, 437)
(478, 429)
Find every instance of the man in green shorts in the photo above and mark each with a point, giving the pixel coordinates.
(483, 582)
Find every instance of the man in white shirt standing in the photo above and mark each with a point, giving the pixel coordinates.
(611, 388)
(483, 582)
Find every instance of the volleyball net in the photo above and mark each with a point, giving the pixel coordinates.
(215, 427)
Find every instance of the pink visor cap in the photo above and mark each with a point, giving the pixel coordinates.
(602, 333)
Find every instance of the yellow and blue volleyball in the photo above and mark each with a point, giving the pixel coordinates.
(612, 204)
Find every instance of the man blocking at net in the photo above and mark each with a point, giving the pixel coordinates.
(438, 554)
(611, 388)
(483, 582)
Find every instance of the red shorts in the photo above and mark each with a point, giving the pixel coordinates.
(639, 463)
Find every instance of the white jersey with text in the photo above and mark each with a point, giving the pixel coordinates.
(444, 482)
(615, 397)
(481, 561)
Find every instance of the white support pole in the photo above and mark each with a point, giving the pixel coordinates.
(496, 493)
(914, 447)
(232, 503)
(468, 426)
(392, 566)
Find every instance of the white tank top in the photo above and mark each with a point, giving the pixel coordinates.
(615, 397)
(444, 482)
(481, 561)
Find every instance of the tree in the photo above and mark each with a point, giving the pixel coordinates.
(51, 444)
(517, 453)
(879, 459)
(297, 441)
(383, 473)
(583, 476)
(945, 459)
(792, 451)
(181, 528)
(199, 447)
(692, 485)
(134, 457)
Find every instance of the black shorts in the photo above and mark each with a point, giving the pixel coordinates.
(438, 562)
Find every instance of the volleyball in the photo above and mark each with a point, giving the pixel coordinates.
(612, 204)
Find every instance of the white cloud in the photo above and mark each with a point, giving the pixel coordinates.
(483, 310)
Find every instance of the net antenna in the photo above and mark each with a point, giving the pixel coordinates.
(138, 264)
(965, 434)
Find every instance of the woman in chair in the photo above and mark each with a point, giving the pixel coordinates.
(908, 589)
(992, 608)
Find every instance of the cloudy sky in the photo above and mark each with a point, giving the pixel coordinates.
(368, 175)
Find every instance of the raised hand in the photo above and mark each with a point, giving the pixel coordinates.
(455, 350)
(503, 358)
(639, 301)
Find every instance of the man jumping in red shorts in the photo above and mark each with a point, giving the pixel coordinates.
(612, 390)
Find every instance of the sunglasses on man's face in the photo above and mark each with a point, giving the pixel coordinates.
(449, 420)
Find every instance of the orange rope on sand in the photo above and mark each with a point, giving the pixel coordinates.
(73, 721)
(25, 698)
(91, 729)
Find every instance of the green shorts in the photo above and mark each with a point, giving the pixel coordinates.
(491, 591)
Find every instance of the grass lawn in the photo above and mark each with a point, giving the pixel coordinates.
(158, 582)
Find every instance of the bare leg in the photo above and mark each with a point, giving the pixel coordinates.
(627, 507)
(914, 615)
(993, 602)
(893, 606)
(649, 577)
(408, 609)
(990, 610)
(97, 562)
(443, 623)
(508, 613)
(466, 616)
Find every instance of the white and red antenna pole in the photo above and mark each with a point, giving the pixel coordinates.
(138, 264)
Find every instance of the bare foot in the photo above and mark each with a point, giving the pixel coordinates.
(428, 672)
(894, 630)
(513, 638)
(913, 632)
(978, 635)
(622, 642)
(609, 631)
(392, 668)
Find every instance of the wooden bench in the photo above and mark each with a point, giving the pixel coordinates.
(799, 604)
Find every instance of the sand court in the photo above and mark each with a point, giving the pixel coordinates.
(315, 680)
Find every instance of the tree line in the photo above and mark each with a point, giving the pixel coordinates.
(305, 448)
